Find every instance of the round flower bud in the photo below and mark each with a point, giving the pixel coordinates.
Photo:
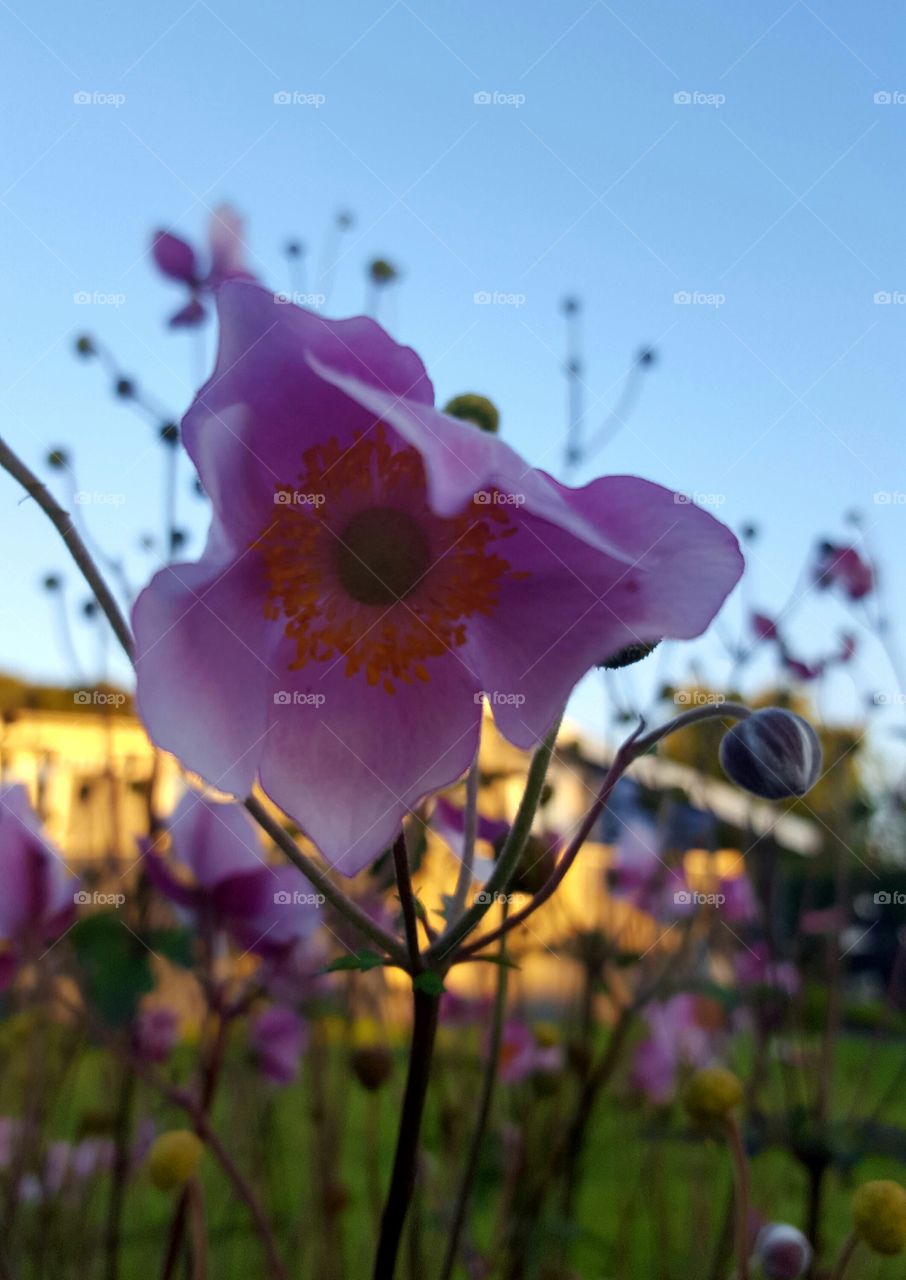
(630, 654)
(372, 1066)
(124, 388)
(783, 1252)
(478, 410)
(294, 249)
(712, 1093)
(879, 1216)
(52, 582)
(772, 753)
(84, 346)
(174, 1158)
(169, 433)
(382, 271)
(536, 864)
(58, 459)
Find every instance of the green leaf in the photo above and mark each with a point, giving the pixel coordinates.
(115, 964)
(430, 983)
(172, 944)
(361, 961)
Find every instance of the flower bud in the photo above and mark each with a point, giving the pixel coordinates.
(382, 271)
(879, 1216)
(630, 654)
(712, 1093)
(783, 1252)
(772, 753)
(478, 410)
(174, 1158)
(372, 1066)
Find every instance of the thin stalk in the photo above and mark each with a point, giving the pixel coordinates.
(63, 522)
(847, 1249)
(484, 1111)
(741, 1197)
(470, 828)
(402, 1182)
(407, 901)
(510, 854)
(322, 882)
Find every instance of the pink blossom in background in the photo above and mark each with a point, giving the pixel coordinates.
(676, 1039)
(177, 260)
(278, 1038)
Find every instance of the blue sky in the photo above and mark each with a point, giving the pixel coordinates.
(774, 194)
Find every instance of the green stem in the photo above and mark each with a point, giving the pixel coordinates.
(484, 1112)
(512, 851)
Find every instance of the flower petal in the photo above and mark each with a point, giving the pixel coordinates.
(202, 647)
(350, 769)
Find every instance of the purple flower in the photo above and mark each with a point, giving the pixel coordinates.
(740, 905)
(218, 872)
(177, 260)
(155, 1033)
(754, 968)
(773, 753)
(639, 873)
(278, 1038)
(676, 1039)
(373, 566)
(37, 903)
(844, 568)
(521, 1055)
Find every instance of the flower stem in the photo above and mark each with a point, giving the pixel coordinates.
(510, 854)
(847, 1249)
(402, 1181)
(322, 882)
(741, 1197)
(63, 522)
(484, 1112)
(407, 901)
(470, 827)
(637, 744)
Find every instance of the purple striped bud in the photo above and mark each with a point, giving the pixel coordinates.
(772, 753)
(783, 1252)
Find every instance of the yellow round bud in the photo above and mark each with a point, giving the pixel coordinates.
(174, 1158)
(478, 410)
(712, 1093)
(879, 1216)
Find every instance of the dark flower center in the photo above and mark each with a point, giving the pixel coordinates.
(381, 556)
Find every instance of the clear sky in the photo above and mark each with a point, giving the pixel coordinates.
(628, 153)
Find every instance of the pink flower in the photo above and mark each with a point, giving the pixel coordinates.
(640, 874)
(740, 905)
(676, 1039)
(843, 567)
(754, 968)
(521, 1056)
(155, 1033)
(37, 902)
(278, 1038)
(218, 872)
(372, 566)
(765, 628)
(176, 259)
